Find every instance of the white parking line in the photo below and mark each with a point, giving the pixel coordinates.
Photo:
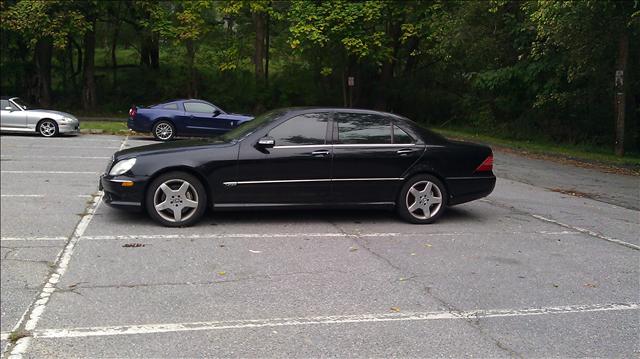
(56, 157)
(33, 314)
(587, 231)
(273, 235)
(53, 172)
(326, 320)
(43, 195)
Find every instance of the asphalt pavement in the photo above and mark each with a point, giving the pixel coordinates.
(530, 271)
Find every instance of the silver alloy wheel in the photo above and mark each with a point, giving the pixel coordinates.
(47, 128)
(164, 131)
(175, 200)
(424, 200)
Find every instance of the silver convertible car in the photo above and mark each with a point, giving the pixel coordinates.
(16, 116)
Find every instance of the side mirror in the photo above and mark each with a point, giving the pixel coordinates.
(8, 108)
(216, 113)
(266, 142)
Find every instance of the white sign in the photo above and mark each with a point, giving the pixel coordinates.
(351, 81)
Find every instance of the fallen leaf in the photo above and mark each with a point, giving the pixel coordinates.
(590, 285)
(252, 251)
(222, 273)
(352, 249)
(413, 254)
(555, 285)
(395, 309)
(133, 245)
(428, 245)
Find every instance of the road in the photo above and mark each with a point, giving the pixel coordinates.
(530, 271)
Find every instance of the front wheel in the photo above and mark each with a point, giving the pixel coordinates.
(176, 199)
(422, 200)
(164, 131)
(48, 128)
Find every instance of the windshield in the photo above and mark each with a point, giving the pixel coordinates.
(21, 103)
(249, 127)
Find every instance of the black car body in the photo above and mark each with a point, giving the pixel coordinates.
(309, 157)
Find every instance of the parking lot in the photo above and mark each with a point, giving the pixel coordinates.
(530, 271)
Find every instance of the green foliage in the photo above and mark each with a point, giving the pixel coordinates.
(523, 69)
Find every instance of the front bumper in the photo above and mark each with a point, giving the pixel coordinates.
(69, 128)
(118, 196)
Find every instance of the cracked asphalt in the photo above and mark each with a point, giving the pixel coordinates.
(530, 271)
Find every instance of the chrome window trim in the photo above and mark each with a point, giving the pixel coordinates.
(352, 145)
(232, 184)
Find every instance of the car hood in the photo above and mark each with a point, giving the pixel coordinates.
(50, 112)
(169, 147)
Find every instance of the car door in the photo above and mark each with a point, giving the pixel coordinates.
(11, 116)
(296, 170)
(202, 118)
(370, 156)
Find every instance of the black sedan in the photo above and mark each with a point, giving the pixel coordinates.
(303, 158)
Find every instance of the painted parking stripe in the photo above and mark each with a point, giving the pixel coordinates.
(53, 172)
(588, 232)
(326, 320)
(44, 195)
(30, 318)
(8, 157)
(274, 235)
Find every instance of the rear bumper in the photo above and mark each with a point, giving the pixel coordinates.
(138, 126)
(465, 189)
(118, 196)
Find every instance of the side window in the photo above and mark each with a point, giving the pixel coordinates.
(198, 107)
(401, 137)
(171, 106)
(357, 128)
(307, 129)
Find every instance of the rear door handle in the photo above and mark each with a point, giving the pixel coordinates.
(405, 151)
(320, 153)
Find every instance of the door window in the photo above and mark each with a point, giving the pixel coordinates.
(4, 104)
(401, 137)
(307, 129)
(359, 128)
(198, 107)
(171, 106)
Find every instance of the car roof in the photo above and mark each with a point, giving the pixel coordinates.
(303, 110)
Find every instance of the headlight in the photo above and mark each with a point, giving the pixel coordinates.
(122, 167)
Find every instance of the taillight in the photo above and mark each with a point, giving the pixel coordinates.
(486, 165)
(132, 112)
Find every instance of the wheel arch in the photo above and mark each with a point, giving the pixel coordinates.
(182, 168)
(426, 171)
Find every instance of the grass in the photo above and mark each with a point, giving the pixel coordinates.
(575, 152)
(107, 127)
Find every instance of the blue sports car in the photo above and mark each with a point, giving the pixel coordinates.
(183, 118)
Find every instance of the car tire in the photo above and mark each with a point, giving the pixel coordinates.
(422, 200)
(164, 131)
(48, 128)
(176, 199)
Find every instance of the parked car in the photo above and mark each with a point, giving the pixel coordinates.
(302, 158)
(183, 117)
(17, 116)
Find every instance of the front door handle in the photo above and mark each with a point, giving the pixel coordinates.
(320, 153)
(405, 151)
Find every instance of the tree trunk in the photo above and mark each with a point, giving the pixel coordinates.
(42, 80)
(154, 51)
(258, 55)
(266, 51)
(114, 58)
(620, 90)
(88, 75)
(191, 57)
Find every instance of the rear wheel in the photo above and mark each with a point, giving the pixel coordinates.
(164, 131)
(422, 200)
(48, 128)
(176, 199)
